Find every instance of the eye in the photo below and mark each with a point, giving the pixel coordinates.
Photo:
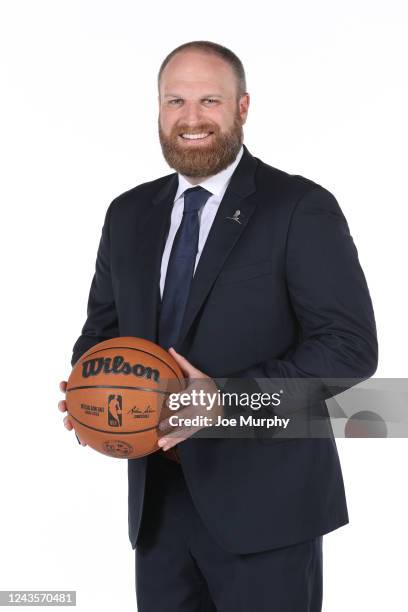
(175, 101)
(210, 101)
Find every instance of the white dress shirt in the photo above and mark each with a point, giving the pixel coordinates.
(217, 186)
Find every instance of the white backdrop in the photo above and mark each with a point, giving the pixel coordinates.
(329, 97)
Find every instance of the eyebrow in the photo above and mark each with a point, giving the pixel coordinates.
(204, 96)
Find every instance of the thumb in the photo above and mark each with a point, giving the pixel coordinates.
(188, 369)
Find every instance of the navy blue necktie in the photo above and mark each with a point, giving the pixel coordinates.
(180, 268)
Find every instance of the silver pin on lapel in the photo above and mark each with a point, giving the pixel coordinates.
(236, 216)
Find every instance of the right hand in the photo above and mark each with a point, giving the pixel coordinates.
(62, 406)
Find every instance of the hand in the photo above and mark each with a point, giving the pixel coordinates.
(62, 406)
(197, 381)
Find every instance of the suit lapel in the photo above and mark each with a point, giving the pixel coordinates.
(150, 247)
(224, 234)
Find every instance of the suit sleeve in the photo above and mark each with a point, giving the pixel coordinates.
(102, 318)
(332, 304)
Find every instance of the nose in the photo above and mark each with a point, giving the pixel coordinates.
(191, 113)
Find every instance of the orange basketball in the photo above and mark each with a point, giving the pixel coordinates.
(116, 392)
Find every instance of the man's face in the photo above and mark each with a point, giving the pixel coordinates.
(201, 117)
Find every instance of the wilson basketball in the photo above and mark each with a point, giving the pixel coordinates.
(116, 392)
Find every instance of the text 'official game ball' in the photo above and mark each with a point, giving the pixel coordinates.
(116, 392)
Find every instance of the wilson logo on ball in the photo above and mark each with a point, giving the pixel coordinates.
(117, 365)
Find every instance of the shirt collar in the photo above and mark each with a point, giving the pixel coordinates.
(216, 183)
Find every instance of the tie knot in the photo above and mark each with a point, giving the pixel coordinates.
(195, 198)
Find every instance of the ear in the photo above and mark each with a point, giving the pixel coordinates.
(243, 107)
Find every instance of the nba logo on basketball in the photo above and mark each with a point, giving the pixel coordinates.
(115, 410)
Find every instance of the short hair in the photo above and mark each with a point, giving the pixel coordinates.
(215, 49)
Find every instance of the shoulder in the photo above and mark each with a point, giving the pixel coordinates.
(138, 197)
(145, 190)
(292, 190)
(268, 175)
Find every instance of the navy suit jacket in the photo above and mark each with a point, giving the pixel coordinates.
(279, 295)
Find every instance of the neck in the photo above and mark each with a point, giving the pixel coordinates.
(194, 180)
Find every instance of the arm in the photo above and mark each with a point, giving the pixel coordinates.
(331, 302)
(102, 319)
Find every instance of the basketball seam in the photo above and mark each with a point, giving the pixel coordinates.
(115, 433)
(119, 387)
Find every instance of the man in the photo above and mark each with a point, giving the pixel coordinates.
(242, 271)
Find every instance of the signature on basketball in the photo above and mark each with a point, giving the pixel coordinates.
(141, 414)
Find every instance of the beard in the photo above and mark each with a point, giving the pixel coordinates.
(202, 160)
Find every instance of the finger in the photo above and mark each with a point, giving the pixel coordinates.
(67, 423)
(168, 429)
(188, 369)
(187, 412)
(171, 439)
(62, 405)
(172, 430)
(170, 444)
(63, 386)
(166, 443)
(180, 432)
(164, 425)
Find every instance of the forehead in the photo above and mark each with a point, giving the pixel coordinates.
(196, 70)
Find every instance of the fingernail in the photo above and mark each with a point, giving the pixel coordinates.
(162, 442)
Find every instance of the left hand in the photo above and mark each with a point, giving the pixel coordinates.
(197, 381)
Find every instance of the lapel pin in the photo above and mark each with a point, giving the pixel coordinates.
(236, 216)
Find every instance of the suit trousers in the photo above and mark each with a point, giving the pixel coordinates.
(181, 568)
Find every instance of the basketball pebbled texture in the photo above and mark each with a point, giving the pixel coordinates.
(116, 392)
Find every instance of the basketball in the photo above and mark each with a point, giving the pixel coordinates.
(116, 392)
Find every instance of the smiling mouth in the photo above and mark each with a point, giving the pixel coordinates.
(195, 137)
